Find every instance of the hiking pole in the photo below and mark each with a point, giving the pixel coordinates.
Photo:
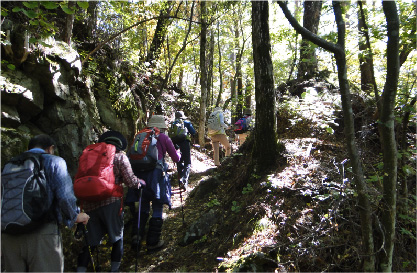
(137, 239)
(85, 231)
(182, 205)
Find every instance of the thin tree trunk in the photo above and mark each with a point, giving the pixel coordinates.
(220, 66)
(203, 75)
(69, 23)
(387, 134)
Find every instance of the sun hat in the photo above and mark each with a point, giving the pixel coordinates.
(180, 114)
(115, 138)
(157, 121)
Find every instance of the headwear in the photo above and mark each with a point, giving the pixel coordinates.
(217, 109)
(115, 138)
(157, 121)
(247, 111)
(180, 114)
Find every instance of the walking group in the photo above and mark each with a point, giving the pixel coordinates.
(39, 195)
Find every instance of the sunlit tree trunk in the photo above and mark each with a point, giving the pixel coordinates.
(265, 146)
(203, 74)
(69, 23)
(387, 134)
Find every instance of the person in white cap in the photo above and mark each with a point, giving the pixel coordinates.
(153, 192)
(216, 131)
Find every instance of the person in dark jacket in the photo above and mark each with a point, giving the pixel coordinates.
(184, 165)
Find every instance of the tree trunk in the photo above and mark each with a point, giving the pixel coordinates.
(69, 23)
(387, 134)
(203, 74)
(220, 66)
(265, 150)
(308, 60)
(238, 76)
(160, 33)
(366, 61)
(358, 177)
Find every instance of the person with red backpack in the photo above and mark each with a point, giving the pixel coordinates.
(158, 188)
(106, 208)
(243, 126)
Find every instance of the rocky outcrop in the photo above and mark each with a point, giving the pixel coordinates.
(46, 94)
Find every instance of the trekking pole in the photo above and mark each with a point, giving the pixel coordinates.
(85, 231)
(137, 240)
(182, 205)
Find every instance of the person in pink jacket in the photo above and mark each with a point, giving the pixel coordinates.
(156, 193)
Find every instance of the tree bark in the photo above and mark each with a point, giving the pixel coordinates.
(69, 23)
(387, 134)
(308, 60)
(203, 74)
(358, 178)
(160, 33)
(265, 150)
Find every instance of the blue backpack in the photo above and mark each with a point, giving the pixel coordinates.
(241, 126)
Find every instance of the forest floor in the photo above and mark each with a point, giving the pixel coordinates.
(301, 216)
(298, 218)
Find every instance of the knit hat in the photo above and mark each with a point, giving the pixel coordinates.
(157, 121)
(180, 114)
(115, 138)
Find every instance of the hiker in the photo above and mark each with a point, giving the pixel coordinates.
(107, 215)
(28, 251)
(243, 126)
(157, 190)
(180, 132)
(217, 133)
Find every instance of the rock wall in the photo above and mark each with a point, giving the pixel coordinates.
(46, 94)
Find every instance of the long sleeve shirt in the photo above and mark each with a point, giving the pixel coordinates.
(60, 186)
(124, 175)
(165, 145)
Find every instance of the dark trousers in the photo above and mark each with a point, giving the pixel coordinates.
(184, 165)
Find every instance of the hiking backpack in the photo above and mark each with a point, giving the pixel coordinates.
(143, 154)
(213, 123)
(177, 131)
(241, 126)
(95, 180)
(24, 194)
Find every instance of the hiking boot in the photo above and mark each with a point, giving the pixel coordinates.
(153, 241)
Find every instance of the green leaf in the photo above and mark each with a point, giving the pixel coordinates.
(4, 13)
(16, 9)
(49, 5)
(330, 130)
(30, 13)
(67, 10)
(34, 22)
(83, 4)
(31, 4)
(11, 66)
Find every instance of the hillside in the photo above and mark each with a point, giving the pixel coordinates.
(300, 217)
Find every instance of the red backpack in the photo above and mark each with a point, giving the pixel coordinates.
(95, 179)
(143, 153)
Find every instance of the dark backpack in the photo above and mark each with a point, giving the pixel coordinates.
(177, 131)
(95, 179)
(240, 126)
(24, 194)
(143, 154)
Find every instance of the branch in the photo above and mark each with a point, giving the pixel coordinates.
(334, 48)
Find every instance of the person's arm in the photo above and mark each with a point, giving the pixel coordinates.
(190, 127)
(62, 188)
(221, 117)
(170, 148)
(125, 170)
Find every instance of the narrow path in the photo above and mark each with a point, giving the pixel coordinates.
(173, 227)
